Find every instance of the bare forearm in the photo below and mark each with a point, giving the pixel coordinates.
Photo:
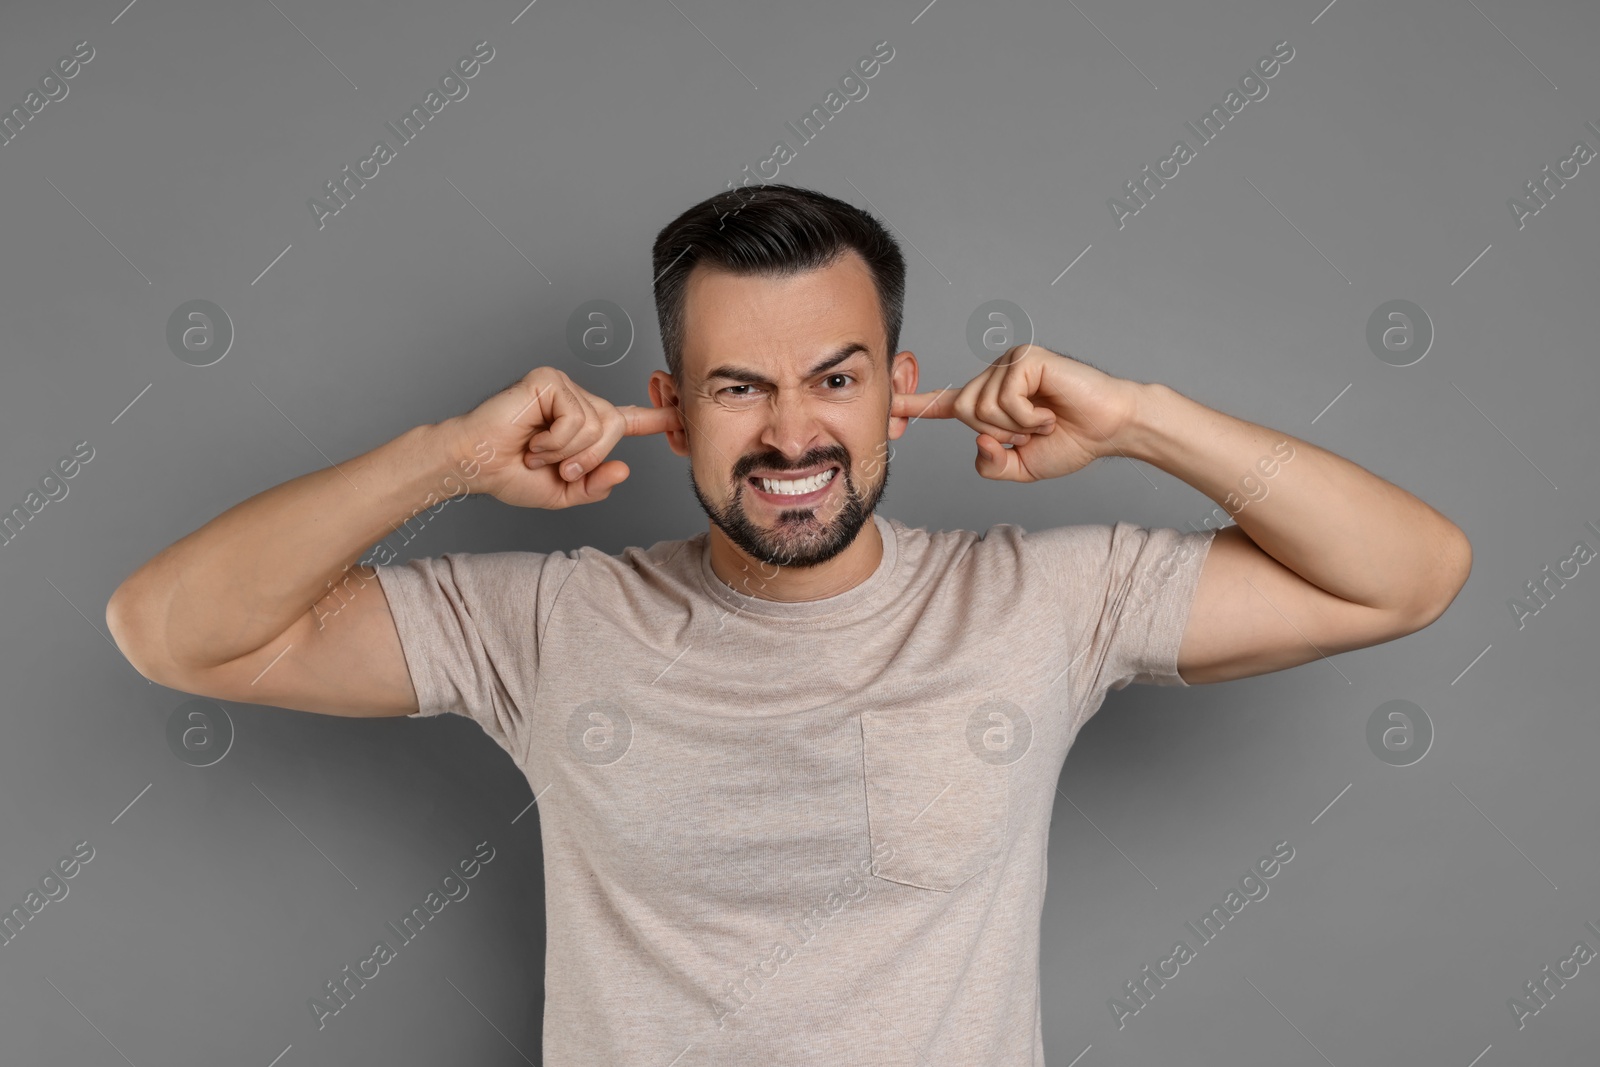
(1330, 521)
(244, 577)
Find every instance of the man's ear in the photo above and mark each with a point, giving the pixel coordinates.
(664, 394)
(904, 380)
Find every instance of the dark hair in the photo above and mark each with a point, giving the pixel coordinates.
(774, 230)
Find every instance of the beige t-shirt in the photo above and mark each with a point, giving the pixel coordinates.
(796, 833)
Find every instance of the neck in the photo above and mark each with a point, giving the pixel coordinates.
(746, 574)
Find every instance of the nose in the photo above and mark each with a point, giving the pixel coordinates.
(793, 427)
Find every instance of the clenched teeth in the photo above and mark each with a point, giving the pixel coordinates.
(797, 487)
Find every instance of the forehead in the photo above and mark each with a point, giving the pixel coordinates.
(772, 323)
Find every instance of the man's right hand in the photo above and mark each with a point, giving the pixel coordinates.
(539, 425)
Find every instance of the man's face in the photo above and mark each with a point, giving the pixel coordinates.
(786, 378)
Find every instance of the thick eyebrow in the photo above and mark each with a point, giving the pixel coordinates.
(750, 377)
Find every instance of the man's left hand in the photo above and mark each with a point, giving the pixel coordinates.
(1058, 413)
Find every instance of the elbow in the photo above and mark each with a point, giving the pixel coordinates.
(1455, 568)
(1460, 570)
(1465, 564)
(119, 624)
(117, 619)
(130, 634)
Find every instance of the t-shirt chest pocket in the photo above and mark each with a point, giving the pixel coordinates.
(937, 811)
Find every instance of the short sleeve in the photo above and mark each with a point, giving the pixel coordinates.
(470, 626)
(1125, 592)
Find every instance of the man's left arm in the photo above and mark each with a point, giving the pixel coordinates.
(1326, 557)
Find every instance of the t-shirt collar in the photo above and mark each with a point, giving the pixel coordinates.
(867, 594)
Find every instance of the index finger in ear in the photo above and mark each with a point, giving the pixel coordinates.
(648, 420)
(940, 405)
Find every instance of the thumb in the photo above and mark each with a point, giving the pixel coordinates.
(994, 461)
(597, 484)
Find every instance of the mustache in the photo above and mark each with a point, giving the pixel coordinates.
(780, 465)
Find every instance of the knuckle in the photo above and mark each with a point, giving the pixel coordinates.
(536, 379)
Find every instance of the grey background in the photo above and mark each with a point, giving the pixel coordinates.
(220, 898)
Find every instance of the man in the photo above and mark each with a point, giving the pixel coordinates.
(795, 774)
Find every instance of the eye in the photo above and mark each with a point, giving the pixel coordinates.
(730, 390)
(840, 375)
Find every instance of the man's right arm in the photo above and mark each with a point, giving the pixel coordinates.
(231, 611)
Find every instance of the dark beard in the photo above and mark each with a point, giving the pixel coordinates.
(819, 543)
